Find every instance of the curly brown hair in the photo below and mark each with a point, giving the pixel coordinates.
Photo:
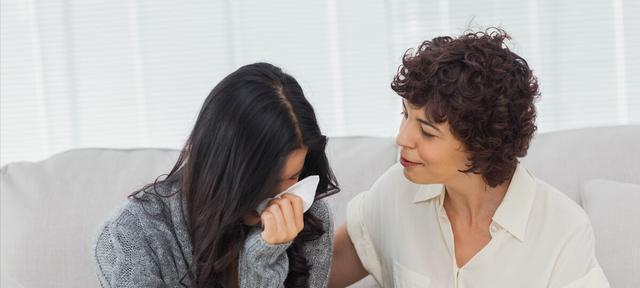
(482, 89)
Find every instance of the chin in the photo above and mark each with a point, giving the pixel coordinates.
(414, 177)
(411, 176)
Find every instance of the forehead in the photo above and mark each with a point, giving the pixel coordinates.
(420, 110)
(413, 107)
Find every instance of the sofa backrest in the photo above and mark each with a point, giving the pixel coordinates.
(51, 210)
(568, 159)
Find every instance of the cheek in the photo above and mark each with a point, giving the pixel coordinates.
(284, 185)
(428, 152)
(440, 159)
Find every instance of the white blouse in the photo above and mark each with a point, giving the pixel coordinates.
(540, 238)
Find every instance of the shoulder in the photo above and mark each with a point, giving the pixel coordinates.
(390, 192)
(125, 225)
(130, 241)
(563, 229)
(321, 210)
(142, 211)
(389, 187)
(117, 238)
(393, 178)
(557, 215)
(559, 206)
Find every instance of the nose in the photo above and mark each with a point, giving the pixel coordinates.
(404, 138)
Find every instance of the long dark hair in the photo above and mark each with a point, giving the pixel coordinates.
(248, 125)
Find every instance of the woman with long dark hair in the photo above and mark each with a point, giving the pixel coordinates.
(255, 136)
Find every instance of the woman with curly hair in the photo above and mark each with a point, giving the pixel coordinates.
(255, 136)
(459, 210)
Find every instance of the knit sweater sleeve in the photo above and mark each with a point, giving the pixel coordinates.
(123, 258)
(319, 251)
(262, 264)
(266, 265)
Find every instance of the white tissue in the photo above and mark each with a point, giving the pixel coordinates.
(305, 189)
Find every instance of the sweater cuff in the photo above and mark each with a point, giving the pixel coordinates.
(262, 252)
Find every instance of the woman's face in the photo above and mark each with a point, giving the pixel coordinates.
(292, 169)
(429, 152)
(290, 175)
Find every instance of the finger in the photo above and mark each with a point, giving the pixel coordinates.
(298, 210)
(268, 222)
(281, 226)
(289, 217)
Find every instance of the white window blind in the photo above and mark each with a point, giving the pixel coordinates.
(134, 73)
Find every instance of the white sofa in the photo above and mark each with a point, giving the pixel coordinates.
(50, 210)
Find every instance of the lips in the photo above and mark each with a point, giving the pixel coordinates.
(406, 163)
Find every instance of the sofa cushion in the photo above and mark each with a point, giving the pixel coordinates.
(614, 210)
(51, 211)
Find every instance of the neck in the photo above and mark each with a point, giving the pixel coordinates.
(472, 200)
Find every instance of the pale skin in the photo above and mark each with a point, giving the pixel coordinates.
(436, 157)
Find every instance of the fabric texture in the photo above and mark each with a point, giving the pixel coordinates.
(539, 237)
(51, 209)
(147, 244)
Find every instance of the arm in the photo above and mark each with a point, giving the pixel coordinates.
(576, 266)
(357, 242)
(319, 252)
(263, 259)
(122, 257)
(347, 268)
(262, 264)
(267, 265)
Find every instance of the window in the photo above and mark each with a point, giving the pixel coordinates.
(134, 73)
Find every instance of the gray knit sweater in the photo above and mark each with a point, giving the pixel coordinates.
(140, 246)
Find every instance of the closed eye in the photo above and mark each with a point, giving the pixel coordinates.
(428, 135)
(296, 176)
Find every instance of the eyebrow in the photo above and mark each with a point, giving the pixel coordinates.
(425, 122)
(422, 121)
